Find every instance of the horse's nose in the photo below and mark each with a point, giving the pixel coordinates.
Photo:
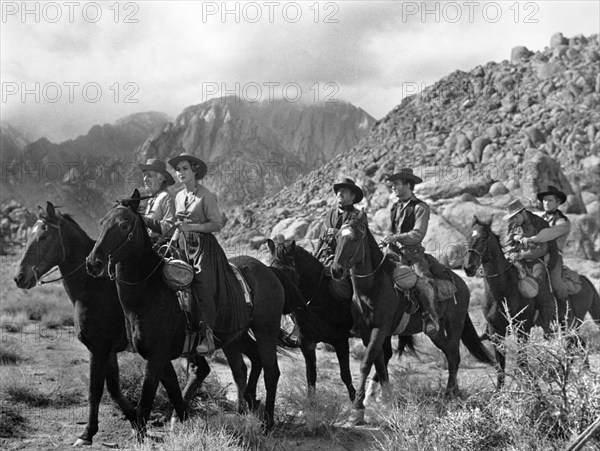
(93, 266)
(469, 269)
(337, 271)
(19, 277)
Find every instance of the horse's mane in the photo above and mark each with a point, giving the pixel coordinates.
(69, 218)
(488, 229)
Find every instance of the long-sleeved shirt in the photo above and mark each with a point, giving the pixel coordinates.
(159, 214)
(560, 226)
(201, 205)
(407, 233)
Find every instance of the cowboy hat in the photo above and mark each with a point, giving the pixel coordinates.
(553, 191)
(513, 208)
(192, 160)
(405, 174)
(156, 165)
(349, 183)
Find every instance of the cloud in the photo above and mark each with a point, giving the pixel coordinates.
(368, 49)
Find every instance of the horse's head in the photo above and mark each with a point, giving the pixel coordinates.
(120, 229)
(283, 256)
(45, 248)
(350, 248)
(478, 250)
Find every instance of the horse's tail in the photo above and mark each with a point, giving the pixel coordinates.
(404, 342)
(474, 344)
(595, 302)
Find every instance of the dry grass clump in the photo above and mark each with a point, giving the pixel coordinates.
(19, 388)
(12, 423)
(195, 435)
(11, 352)
(552, 396)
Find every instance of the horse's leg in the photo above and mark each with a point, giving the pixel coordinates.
(98, 364)
(374, 344)
(500, 355)
(266, 338)
(372, 385)
(196, 369)
(250, 350)
(308, 348)
(448, 341)
(342, 350)
(171, 384)
(114, 388)
(238, 370)
(152, 374)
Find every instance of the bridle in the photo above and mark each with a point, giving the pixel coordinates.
(485, 257)
(362, 230)
(34, 269)
(112, 262)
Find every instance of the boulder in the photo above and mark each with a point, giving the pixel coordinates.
(477, 147)
(454, 185)
(460, 216)
(291, 228)
(497, 189)
(540, 171)
(519, 53)
(380, 222)
(557, 40)
(444, 242)
(582, 237)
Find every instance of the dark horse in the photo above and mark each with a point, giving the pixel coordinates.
(376, 307)
(57, 240)
(501, 288)
(319, 316)
(158, 323)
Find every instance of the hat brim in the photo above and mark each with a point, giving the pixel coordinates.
(559, 194)
(358, 193)
(409, 177)
(514, 213)
(168, 177)
(203, 168)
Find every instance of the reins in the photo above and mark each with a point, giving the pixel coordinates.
(482, 260)
(113, 275)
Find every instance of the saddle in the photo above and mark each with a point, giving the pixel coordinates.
(572, 280)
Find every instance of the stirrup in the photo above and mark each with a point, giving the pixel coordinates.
(430, 326)
(207, 344)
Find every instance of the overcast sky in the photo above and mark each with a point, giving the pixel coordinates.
(66, 66)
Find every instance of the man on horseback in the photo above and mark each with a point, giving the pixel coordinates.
(348, 194)
(558, 231)
(159, 214)
(409, 222)
(535, 257)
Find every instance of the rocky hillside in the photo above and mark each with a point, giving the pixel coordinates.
(84, 175)
(255, 149)
(12, 142)
(479, 139)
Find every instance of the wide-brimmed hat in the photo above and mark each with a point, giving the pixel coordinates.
(193, 160)
(513, 208)
(404, 174)
(554, 191)
(349, 183)
(156, 165)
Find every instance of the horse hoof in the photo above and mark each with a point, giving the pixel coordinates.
(357, 418)
(174, 422)
(82, 442)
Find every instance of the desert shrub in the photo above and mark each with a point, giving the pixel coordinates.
(11, 352)
(196, 435)
(12, 423)
(20, 388)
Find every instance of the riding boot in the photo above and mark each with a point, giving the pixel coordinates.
(207, 344)
(427, 297)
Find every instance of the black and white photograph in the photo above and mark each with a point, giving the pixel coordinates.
(300, 225)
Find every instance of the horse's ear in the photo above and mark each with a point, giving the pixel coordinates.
(50, 211)
(135, 200)
(40, 212)
(475, 221)
(293, 245)
(361, 213)
(271, 246)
